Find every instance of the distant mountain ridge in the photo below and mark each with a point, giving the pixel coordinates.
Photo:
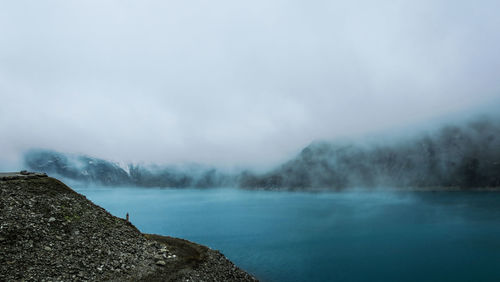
(463, 156)
(87, 169)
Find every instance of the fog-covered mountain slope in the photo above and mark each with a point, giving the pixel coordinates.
(464, 156)
(93, 170)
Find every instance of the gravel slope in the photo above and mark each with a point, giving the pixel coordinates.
(49, 232)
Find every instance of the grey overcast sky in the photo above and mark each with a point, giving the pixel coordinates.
(245, 83)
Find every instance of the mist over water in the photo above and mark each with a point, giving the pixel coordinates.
(346, 236)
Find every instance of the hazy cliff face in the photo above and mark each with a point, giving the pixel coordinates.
(92, 170)
(81, 168)
(462, 156)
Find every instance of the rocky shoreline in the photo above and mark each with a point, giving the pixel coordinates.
(48, 232)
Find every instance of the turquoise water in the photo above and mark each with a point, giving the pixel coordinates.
(291, 236)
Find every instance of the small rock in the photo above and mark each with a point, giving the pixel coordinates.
(158, 257)
(47, 248)
(52, 219)
(77, 232)
(58, 237)
(2, 239)
(161, 263)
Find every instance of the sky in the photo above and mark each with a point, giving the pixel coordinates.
(234, 83)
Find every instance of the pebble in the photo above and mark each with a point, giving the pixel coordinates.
(47, 248)
(52, 219)
(161, 263)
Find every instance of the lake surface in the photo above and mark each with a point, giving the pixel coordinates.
(351, 236)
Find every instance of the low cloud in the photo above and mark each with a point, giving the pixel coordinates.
(230, 83)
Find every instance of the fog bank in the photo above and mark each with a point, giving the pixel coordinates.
(234, 83)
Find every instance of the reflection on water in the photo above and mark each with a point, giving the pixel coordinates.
(352, 236)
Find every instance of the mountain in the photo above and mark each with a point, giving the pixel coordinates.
(464, 156)
(87, 169)
(79, 168)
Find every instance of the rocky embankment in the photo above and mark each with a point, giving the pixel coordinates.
(48, 232)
